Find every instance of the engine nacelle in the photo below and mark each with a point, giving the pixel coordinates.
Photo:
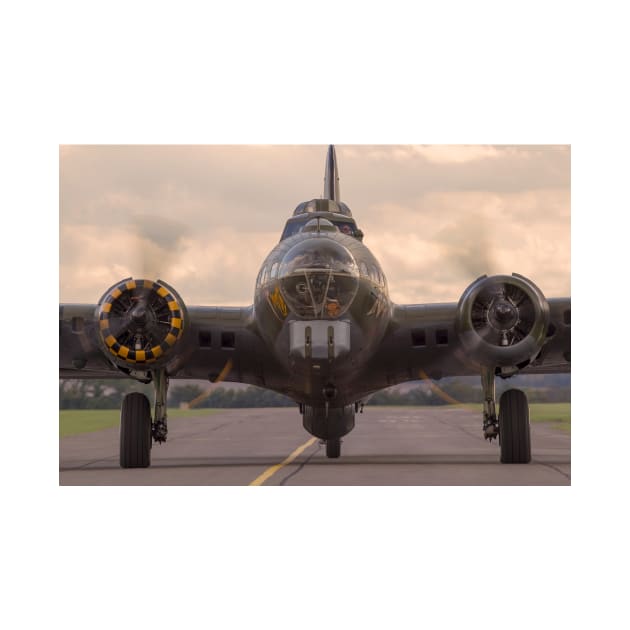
(502, 320)
(140, 323)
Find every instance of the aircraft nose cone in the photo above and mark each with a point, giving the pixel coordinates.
(319, 278)
(318, 254)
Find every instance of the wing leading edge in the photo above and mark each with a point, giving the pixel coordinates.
(217, 340)
(422, 340)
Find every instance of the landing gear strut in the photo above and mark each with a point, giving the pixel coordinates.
(490, 422)
(159, 429)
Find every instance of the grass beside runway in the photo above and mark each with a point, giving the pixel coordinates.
(73, 421)
(559, 414)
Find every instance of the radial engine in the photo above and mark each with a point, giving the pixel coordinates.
(141, 323)
(502, 321)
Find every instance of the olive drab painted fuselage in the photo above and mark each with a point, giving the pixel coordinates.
(322, 306)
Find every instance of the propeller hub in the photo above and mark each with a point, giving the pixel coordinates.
(503, 315)
(139, 314)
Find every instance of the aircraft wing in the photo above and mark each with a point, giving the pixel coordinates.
(422, 342)
(217, 341)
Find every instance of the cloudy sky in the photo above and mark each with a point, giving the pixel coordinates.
(204, 217)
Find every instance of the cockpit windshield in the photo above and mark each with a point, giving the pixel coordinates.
(322, 205)
(319, 279)
(319, 224)
(295, 227)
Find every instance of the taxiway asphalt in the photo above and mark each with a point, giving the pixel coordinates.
(390, 446)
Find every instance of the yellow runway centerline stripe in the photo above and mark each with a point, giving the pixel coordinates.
(272, 470)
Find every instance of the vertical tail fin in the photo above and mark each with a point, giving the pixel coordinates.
(331, 177)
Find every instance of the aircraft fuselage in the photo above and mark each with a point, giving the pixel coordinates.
(322, 305)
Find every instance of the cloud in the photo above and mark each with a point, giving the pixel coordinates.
(438, 154)
(220, 272)
(204, 218)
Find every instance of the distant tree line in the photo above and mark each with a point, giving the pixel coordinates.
(108, 394)
(98, 393)
(463, 392)
(223, 397)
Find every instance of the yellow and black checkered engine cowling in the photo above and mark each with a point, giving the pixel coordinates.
(140, 323)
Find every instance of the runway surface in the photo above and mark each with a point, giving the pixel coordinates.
(389, 446)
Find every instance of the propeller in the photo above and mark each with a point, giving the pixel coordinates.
(195, 402)
(157, 242)
(144, 315)
(467, 247)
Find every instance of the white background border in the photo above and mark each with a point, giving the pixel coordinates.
(341, 557)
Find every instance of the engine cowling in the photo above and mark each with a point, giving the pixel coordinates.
(141, 322)
(502, 320)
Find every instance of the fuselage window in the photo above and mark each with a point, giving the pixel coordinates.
(418, 337)
(363, 270)
(205, 339)
(228, 340)
(441, 337)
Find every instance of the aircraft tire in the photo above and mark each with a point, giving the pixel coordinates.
(135, 431)
(333, 448)
(514, 432)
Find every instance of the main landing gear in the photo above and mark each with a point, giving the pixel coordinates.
(136, 428)
(512, 424)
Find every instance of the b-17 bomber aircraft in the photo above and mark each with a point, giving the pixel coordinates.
(323, 331)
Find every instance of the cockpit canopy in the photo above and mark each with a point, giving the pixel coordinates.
(336, 212)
